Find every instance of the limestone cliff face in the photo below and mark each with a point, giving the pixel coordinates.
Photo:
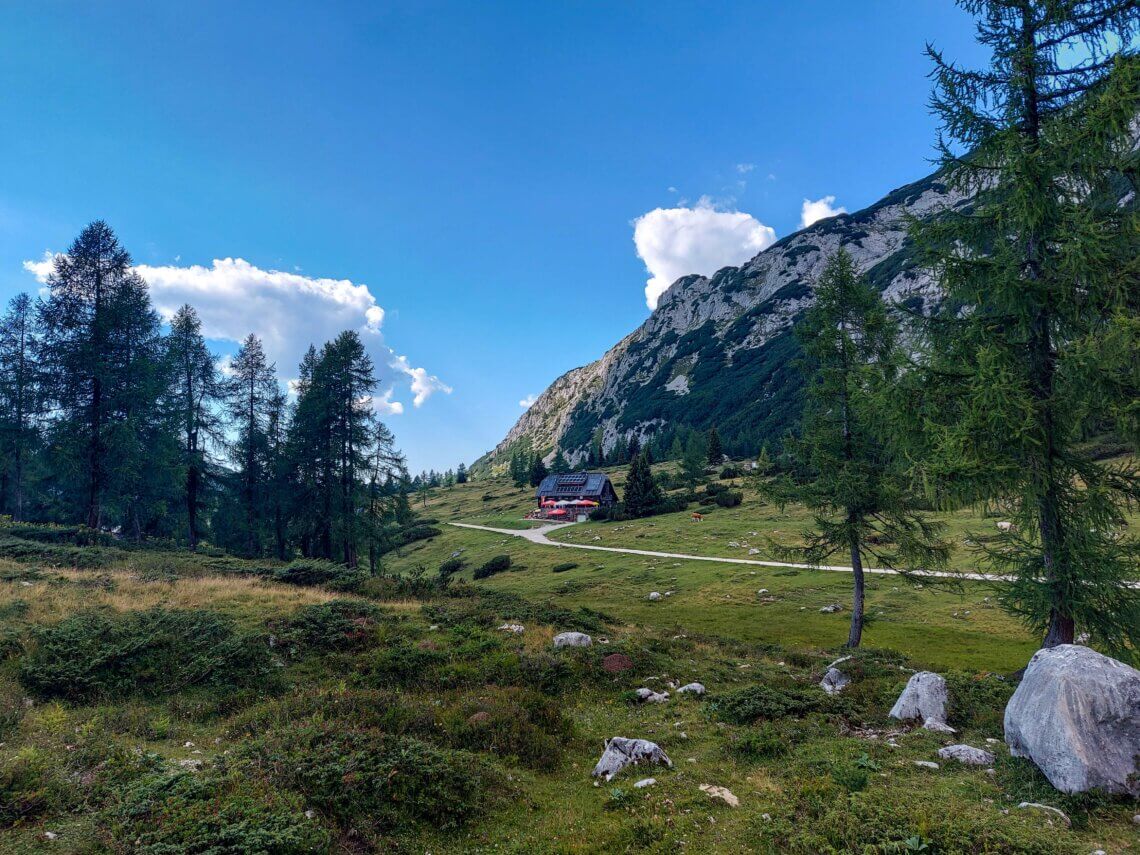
(717, 349)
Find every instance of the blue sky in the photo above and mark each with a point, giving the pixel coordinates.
(461, 180)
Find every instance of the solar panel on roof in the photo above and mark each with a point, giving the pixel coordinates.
(574, 480)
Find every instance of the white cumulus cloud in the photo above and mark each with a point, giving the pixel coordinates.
(820, 209)
(288, 311)
(674, 242)
(424, 385)
(527, 402)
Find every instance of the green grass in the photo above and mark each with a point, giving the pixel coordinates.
(405, 721)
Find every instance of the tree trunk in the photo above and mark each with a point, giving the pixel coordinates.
(855, 635)
(192, 506)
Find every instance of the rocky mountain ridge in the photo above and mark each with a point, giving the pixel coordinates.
(717, 349)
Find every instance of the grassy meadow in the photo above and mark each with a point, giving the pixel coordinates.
(161, 702)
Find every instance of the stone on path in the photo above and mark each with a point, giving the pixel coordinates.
(572, 639)
(721, 794)
(621, 752)
(924, 698)
(1076, 715)
(966, 754)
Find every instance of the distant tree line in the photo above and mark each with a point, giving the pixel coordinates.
(108, 422)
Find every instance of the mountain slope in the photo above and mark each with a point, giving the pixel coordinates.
(719, 350)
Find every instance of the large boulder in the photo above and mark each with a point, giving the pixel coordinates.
(1076, 715)
(621, 752)
(572, 639)
(924, 698)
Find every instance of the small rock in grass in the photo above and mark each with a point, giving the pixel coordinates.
(50, 835)
(925, 764)
(645, 782)
(924, 698)
(831, 609)
(648, 696)
(721, 794)
(621, 752)
(966, 754)
(1136, 819)
(936, 726)
(1046, 809)
(834, 681)
(655, 595)
(572, 639)
(516, 628)
(692, 688)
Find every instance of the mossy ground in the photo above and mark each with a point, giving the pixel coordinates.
(494, 735)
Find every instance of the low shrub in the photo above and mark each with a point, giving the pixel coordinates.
(729, 499)
(335, 625)
(514, 722)
(369, 779)
(451, 565)
(763, 742)
(57, 554)
(311, 572)
(413, 533)
(729, 472)
(563, 567)
(497, 564)
(164, 813)
(155, 652)
(759, 703)
(977, 700)
(32, 784)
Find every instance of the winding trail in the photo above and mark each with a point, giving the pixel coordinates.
(538, 536)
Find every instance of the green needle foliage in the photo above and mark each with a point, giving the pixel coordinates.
(1035, 346)
(841, 468)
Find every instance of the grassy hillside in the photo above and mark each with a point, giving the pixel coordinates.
(160, 702)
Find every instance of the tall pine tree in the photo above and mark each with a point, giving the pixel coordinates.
(19, 403)
(843, 473)
(1037, 338)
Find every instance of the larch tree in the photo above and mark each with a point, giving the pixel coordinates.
(19, 402)
(1037, 338)
(251, 389)
(99, 352)
(843, 471)
(195, 394)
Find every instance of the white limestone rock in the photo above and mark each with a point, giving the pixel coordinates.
(1047, 809)
(692, 689)
(924, 698)
(1076, 715)
(721, 794)
(834, 681)
(572, 639)
(621, 752)
(966, 754)
(648, 696)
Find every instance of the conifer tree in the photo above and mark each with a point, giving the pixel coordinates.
(1037, 337)
(19, 402)
(633, 448)
(101, 371)
(461, 473)
(537, 471)
(251, 390)
(642, 494)
(842, 471)
(194, 395)
(559, 464)
(715, 449)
